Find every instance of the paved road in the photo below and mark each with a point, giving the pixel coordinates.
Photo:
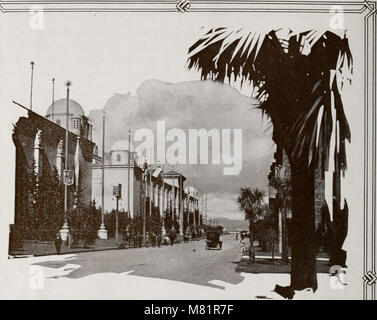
(189, 263)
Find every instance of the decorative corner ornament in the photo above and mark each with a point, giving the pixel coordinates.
(371, 5)
(370, 278)
(183, 6)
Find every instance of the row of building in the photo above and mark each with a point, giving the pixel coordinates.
(40, 144)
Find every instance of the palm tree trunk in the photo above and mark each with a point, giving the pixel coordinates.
(284, 254)
(251, 253)
(303, 269)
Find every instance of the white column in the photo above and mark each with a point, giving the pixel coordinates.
(38, 153)
(60, 158)
(161, 202)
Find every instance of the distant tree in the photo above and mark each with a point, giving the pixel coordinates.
(155, 222)
(84, 222)
(169, 221)
(261, 227)
(47, 205)
(251, 202)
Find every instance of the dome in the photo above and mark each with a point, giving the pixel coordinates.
(60, 107)
(121, 145)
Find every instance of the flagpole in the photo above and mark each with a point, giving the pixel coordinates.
(68, 84)
(163, 200)
(145, 197)
(150, 185)
(53, 99)
(129, 173)
(65, 230)
(102, 232)
(31, 85)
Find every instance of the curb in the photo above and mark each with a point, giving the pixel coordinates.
(78, 251)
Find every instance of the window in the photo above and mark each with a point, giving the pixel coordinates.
(58, 122)
(118, 158)
(76, 123)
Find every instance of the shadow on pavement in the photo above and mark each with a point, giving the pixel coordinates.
(177, 263)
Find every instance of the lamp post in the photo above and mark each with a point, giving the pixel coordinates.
(117, 192)
(65, 229)
(102, 232)
(145, 198)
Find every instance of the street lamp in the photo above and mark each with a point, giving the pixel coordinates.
(65, 229)
(102, 232)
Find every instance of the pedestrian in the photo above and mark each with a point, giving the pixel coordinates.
(242, 243)
(186, 237)
(166, 241)
(172, 235)
(147, 239)
(159, 238)
(128, 237)
(153, 239)
(58, 243)
(140, 240)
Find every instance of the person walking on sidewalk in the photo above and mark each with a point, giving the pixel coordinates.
(58, 243)
(159, 239)
(172, 234)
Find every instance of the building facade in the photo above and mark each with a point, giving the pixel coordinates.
(117, 168)
(146, 186)
(40, 147)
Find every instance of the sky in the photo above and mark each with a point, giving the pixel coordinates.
(195, 105)
(120, 55)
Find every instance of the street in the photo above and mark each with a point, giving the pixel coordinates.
(183, 262)
(182, 271)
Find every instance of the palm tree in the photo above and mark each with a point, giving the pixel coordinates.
(251, 202)
(298, 78)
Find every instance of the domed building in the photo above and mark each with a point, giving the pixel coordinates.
(77, 121)
(119, 152)
(40, 145)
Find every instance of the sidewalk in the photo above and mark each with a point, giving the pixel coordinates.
(264, 263)
(44, 248)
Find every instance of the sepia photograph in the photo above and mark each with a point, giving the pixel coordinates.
(188, 150)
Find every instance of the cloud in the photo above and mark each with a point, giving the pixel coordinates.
(195, 105)
(223, 205)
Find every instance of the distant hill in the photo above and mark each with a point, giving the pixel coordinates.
(233, 225)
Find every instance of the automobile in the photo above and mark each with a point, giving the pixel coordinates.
(213, 240)
(244, 233)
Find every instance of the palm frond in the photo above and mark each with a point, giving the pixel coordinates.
(297, 78)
